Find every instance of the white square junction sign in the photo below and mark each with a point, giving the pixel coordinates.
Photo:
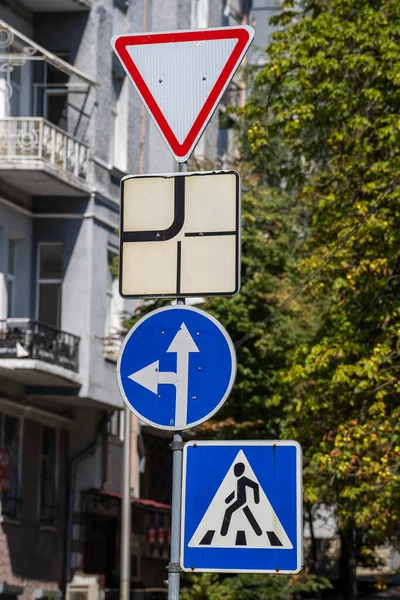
(180, 235)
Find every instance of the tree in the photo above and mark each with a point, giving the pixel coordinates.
(272, 235)
(329, 97)
(210, 586)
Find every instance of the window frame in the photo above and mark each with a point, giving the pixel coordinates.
(113, 299)
(4, 415)
(118, 150)
(43, 521)
(16, 83)
(115, 424)
(54, 281)
(11, 278)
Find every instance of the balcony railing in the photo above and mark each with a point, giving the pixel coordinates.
(57, 5)
(33, 138)
(24, 339)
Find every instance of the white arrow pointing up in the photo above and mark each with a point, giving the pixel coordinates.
(182, 344)
(150, 377)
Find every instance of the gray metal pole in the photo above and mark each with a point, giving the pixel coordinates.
(174, 576)
(125, 574)
(174, 567)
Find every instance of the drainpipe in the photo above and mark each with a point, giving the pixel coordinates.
(75, 460)
(142, 159)
(243, 93)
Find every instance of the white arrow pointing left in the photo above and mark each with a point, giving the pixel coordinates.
(150, 377)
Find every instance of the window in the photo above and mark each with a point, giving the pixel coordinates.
(114, 302)
(121, 4)
(48, 476)
(119, 118)
(115, 425)
(56, 94)
(11, 441)
(11, 278)
(109, 294)
(199, 16)
(50, 271)
(15, 77)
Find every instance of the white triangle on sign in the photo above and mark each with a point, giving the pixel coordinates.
(249, 524)
(181, 88)
(181, 77)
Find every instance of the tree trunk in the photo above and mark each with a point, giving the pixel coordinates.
(348, 563)
(314, 551)
(314, 548)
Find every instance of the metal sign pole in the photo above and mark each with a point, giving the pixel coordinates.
(125, 577)
(174, 571)
(174, 567)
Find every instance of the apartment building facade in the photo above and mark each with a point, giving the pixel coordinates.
(70, 127)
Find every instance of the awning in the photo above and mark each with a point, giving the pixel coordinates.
(140, 501)
(30, 50)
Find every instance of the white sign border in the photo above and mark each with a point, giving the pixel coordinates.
(299, 503)
(231, 380)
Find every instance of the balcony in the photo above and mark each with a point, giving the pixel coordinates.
(36, 354)
(57, 5)
(42, 159)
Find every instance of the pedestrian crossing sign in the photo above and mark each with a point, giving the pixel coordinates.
(242, 507)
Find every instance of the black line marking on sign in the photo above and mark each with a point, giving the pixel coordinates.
(241, 539)
(208, 538)
(178, 267)
(162, 235)
(129, 236)
(252, 520)
(209, 233)
(273, 538)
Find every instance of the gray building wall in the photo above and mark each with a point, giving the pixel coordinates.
(87, 226)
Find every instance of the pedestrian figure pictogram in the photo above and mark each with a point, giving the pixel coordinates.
(241, 500)
(240, 514)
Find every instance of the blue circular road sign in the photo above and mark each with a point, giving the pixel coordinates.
(176, 367)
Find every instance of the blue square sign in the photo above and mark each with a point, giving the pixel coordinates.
(242, 507)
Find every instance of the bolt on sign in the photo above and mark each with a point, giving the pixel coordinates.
(180, 235)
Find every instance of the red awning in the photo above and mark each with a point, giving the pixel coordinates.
(139, 501)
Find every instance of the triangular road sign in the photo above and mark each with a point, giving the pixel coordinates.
(181, 77)
(240, 514)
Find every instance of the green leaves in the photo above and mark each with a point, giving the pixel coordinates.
(323, 126)
(272, 234)
(210, 586)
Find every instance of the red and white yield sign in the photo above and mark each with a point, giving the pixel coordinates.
(181, 76)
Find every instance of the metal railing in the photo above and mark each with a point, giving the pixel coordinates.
(23, 338)
(34, 138)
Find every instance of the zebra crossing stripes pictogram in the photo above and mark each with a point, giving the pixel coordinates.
(240, 514)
